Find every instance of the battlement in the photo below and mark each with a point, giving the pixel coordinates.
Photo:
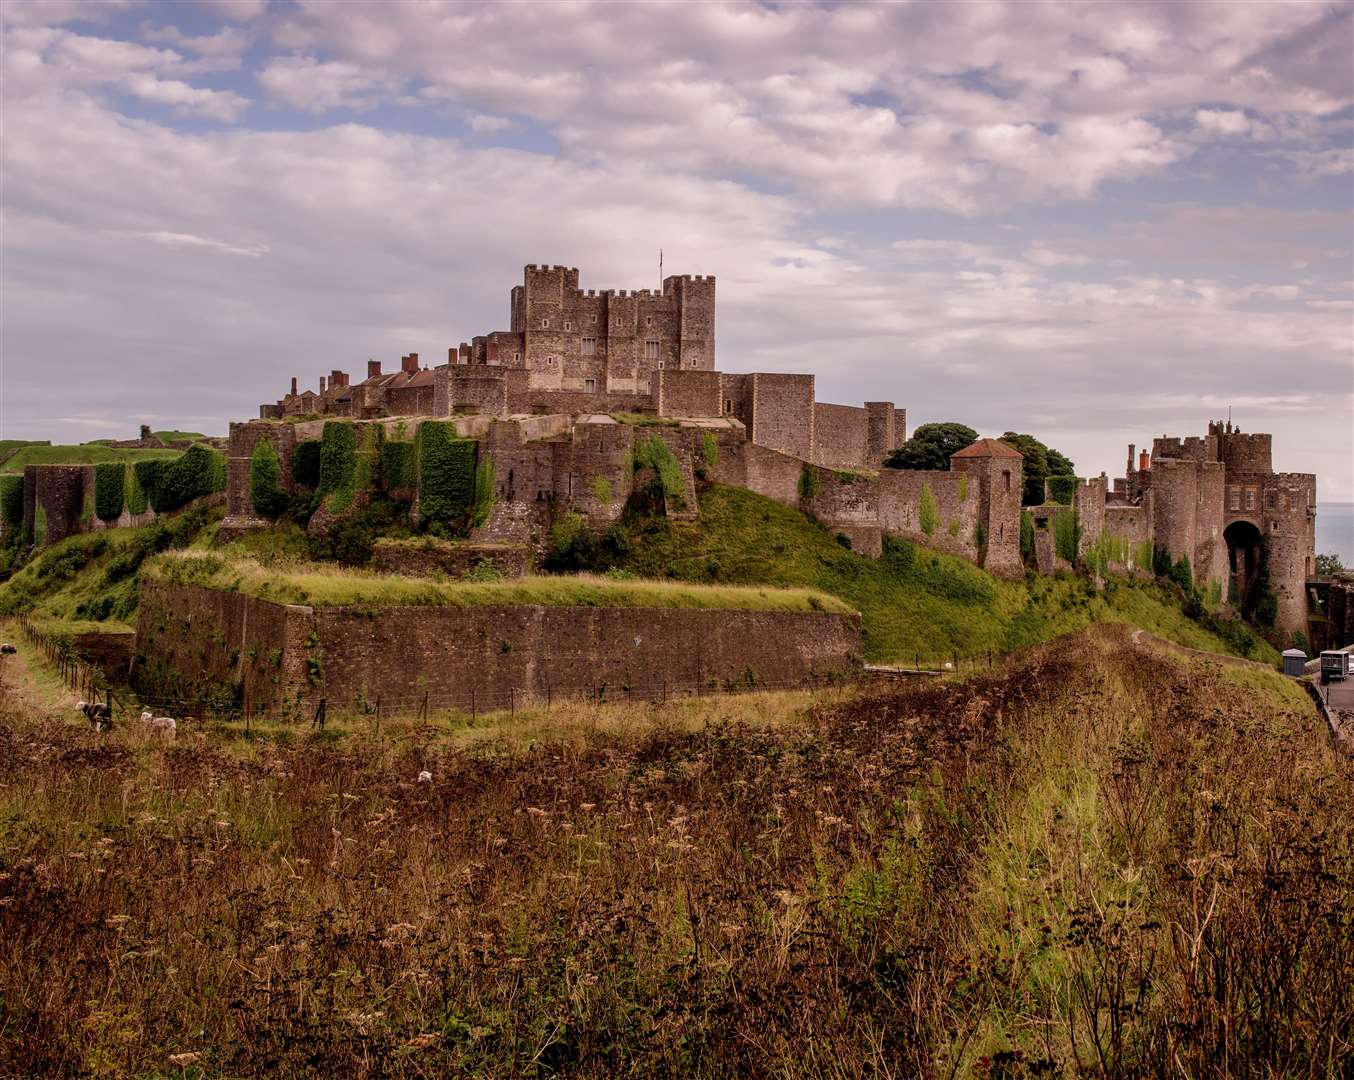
(544, 267)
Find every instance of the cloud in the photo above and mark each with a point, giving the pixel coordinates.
(304, 82)
(229, 41)
(1223, 121)
(176, 239)
(236, 10)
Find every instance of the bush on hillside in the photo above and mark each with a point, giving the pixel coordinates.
(173, 484)
(338, 464)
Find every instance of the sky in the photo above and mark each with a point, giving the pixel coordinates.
(1097, 223)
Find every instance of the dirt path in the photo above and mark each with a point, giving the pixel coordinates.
(1142, 638)
(19, 690)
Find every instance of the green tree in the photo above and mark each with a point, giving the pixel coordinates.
(931, 447)
(1329, 565)
(1040, 463)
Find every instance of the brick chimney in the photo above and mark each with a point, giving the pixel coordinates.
(409, 363)
(1144, 461)
(293, 386)
(373, 368)
(321, 384)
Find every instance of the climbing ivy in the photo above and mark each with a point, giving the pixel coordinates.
(1066, 534)
(338, 465)
(928, 513)
(1026, 535)
(711, 446)
(265, 487)
(110, 489)
(808, 483)
(136, 494)
(170, 485)
(398, 468)
(486, 491)
(446, 473)
(653, 453)
(12, 501)
(305, 463)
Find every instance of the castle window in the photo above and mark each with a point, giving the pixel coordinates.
(652, 349)
(589, 346)
(1001, 529)
(568, 325)
(660, 365)
(1269, 499)
(592, 320)
(1234, 499)
(1006, 478)
(590, 386)
(545, 324)
(1250, 498)
(648, 321)
(517, 358)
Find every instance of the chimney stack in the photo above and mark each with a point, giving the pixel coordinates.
(1144, 461)
(321, 384)
(373, 368)
(293, 386)
(409, 363)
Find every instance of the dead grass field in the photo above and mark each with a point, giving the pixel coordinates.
(1108, 859)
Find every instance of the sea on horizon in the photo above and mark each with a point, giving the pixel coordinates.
(1335, 530)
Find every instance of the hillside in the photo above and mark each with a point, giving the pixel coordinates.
(1106, 858)
(82, 454)
(915, 602)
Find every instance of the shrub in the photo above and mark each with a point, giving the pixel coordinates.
(338, 465)
(265, 488)
(446, 473)
(1026, 535)
(954, 527)
(1182, 575)
(398, 472)
(305, 463)
(110, 489)
(928, 513)
(601, 489)
(350, 540)
(12, 501)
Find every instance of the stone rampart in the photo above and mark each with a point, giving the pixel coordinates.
(841, 435)
(430, 557)
(284, 658)
(686, 393)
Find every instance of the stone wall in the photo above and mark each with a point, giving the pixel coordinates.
(782, 413)
(841, 435)
(1290, 544)
(57, 492)
(284, 658)
(957, 499)
(687, 393)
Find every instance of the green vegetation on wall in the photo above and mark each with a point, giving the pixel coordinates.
(12, 501)
(110, 489)
(711, 447)
(1142, 556)
(398, 468)
(338, 465)
(170, 485)
(653, 453)
(1108, 550)
(928, 513)
(265, 481)
(1026, 535)
(486, 491)
(39, 524)
(808, 483)
(601, 489)
(1066, 534)
(963, 488)
(446, 473)
(136, 494)
(305, 464)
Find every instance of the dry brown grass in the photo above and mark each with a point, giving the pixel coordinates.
(844, 891)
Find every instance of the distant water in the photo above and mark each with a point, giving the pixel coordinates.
(1335, 530)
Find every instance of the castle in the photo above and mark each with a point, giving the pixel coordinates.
(565, 401)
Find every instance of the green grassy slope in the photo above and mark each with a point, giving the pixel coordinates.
(84, 454)
(915, 602)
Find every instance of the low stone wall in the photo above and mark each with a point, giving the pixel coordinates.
(429, 558)
(284, 658)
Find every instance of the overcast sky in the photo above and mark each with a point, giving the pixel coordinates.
(1093, 222)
